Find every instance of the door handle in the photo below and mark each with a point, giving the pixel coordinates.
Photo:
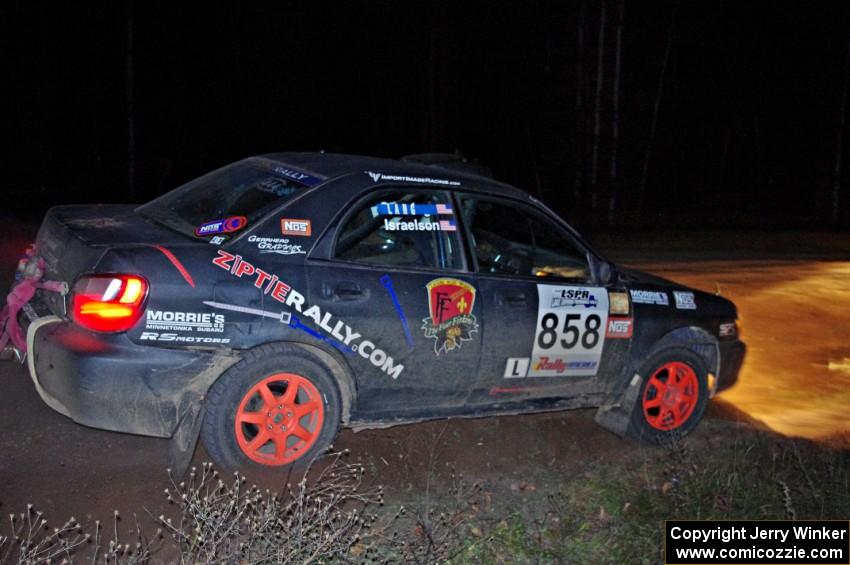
(343, 291)
(515, 299)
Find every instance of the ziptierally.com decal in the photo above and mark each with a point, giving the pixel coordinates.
(340, 333)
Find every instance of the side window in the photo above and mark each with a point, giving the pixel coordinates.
(401, 228)
(514, 239)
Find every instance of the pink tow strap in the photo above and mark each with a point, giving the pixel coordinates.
(20, 294)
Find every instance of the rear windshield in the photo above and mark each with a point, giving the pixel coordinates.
(250, 188)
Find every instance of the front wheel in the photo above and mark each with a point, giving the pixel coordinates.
(278, 407)
(673, 395)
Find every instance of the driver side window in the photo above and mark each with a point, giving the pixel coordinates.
(510, 238)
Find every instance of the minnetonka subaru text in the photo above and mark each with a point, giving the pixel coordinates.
(264, 305)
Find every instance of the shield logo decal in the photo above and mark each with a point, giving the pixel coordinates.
(451, 322)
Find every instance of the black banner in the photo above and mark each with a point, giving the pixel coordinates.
(758, 542)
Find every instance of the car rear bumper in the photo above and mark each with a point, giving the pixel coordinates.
(106, 381)
(732, 355)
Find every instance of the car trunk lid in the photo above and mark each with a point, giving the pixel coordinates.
(72, 240)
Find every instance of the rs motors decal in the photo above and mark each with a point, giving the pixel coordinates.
(570, 333)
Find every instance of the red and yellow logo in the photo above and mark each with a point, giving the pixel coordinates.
(451, 322)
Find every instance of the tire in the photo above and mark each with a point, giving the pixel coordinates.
(278, 407)
(662, 412)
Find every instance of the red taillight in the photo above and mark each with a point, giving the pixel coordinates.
(109, 303)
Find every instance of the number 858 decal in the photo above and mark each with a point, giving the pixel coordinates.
(570, 330)
(571, 334)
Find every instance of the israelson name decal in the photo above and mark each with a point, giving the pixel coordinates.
(290, 226)
(376, 177)
(419, 225)
(271, 285)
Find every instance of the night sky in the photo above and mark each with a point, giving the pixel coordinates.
(747, 127)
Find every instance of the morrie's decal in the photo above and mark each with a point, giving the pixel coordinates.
(277, 245)
(271, 285)
(728, 329)
(377, 177)
(650, 297)
(451, 322)
(570, 334)
(387, 283)
(173, 337)
(184, 321)
(413, 209)
(684, 300)
(227, 225)
(618, 303)
(297, 176)
(290, 226)
(397, 224)
(619, 328)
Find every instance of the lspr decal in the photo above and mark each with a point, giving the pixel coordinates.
(451, 321)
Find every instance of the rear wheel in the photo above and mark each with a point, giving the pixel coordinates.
(278, 407)
(673, 395)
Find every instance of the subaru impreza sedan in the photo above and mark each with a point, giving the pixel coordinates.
(268, 303)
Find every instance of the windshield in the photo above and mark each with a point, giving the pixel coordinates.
(229, 198)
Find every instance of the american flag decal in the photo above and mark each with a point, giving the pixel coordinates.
(444, 209)
(448, 225)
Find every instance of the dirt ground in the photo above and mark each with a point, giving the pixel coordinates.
(795, 382)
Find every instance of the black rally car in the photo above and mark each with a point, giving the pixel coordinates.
(269, 302)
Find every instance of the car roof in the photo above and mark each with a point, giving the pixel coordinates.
(331, 165)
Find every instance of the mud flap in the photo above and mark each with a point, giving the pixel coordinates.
(184, 440)
(615, 414)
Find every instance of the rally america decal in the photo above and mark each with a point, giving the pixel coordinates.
(451, 322)
(333, 330)
(571, 326)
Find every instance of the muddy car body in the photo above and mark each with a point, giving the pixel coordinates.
(271, 301)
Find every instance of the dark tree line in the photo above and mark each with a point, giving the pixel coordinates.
(616, 112)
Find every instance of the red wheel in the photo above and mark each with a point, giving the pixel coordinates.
(673, 395)
(279, 419)
(278, 407)
(670, 396)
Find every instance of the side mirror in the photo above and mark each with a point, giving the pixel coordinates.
(607, 273)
